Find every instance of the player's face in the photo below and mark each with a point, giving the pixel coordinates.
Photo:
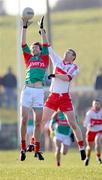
(96, 105)
(68, 56)
(35, 50)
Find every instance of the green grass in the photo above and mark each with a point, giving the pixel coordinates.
(81, 30)
(71, 167)
(8, 115)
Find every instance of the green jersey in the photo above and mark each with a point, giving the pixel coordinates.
(61, 124)
(30, 119)
(35, 65)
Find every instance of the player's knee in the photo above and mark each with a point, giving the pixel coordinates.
(58, 149)
(38, 125)
(24, 120)
(97, 145)
(88, 148)
(73, 126)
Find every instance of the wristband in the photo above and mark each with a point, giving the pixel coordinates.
(53, 75)
(40, 31)
(25, 27)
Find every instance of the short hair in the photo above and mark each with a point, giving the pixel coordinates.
(38, 44)
(74, 53)
(97, 100)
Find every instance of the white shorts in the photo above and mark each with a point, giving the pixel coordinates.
(65, 139)
(32, 97)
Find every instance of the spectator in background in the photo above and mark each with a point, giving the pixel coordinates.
(1, 92)
(98, 84)
(10, 85)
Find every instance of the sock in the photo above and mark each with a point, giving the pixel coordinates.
(58, 163)
(23, 145)
(32, 140)
(81, 145)
(98, 155)
(37, 147)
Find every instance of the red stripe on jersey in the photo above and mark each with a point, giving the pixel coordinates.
(37, 64)
(45, 44)
(59, 71)
(62, 122)
(27, 56)
(70, 78)
(72, 70)
(45, 58)
(96, 121)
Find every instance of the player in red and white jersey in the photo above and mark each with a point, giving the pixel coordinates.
(64, 71)
(93, 123)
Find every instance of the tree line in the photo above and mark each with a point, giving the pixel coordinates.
(63, 5)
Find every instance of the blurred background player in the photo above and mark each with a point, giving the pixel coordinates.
(47, 138)
(36, 60)
(93, 123)
(63, 135)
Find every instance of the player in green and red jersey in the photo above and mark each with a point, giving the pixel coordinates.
(62, 134)
(36, 60)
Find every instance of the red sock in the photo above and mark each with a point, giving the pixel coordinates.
(98, 155)
(37, 147)
(32, 140)
(23, 145)
(81, 145)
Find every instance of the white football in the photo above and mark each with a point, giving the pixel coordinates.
(28, 13)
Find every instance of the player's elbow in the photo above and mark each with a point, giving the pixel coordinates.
(69, 78)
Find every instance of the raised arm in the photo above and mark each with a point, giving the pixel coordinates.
(25, 48)
(53, 56)
(42, 31)
(25, 24)
(24, 31)
(44, 38)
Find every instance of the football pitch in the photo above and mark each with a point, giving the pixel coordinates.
(72, 168)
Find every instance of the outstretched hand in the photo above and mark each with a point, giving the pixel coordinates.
(26, 23)
(41, 25)
(41, 22)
